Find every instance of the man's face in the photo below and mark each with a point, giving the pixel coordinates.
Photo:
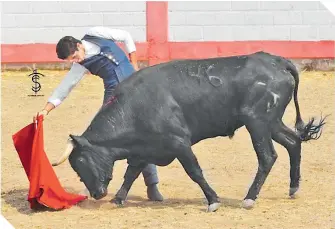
(78, 55)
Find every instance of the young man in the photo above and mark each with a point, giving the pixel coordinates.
(98, 53)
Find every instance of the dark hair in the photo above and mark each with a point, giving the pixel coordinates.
(66, 46)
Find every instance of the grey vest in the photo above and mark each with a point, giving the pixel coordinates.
(111, 64)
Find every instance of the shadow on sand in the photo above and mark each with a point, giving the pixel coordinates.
(18, 199)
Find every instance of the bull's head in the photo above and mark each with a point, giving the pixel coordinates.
(91, 163)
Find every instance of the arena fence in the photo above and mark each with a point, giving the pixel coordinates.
(308, 55)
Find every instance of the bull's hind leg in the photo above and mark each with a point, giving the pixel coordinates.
(192, 168)
(266, 155)
(130, 176)
(287, 138)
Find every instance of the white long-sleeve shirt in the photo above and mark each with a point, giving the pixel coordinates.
(77, 71)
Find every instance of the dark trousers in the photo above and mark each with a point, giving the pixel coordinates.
(150, 171)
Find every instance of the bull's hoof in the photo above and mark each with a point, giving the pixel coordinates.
(119, 202)
(293, 192)
(213, 207)
(248, 203)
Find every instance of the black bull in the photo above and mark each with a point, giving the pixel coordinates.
(158, 113)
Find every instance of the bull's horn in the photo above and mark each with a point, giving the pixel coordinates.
(66, 154)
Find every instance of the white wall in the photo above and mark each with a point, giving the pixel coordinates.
(47, 22)
(250, 20)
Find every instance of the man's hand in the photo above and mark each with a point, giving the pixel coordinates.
(46, 110)
(133, 60)
(42, 112)
(135, 66)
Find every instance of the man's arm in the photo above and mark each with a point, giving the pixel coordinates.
(133, 60)
(120, 36)
(71, 79)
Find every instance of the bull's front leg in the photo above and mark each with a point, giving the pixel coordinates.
(130, 176)
(192, 168)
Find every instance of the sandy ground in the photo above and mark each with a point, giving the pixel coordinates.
(229, 166)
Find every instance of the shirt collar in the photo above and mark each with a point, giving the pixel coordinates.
(90, 49)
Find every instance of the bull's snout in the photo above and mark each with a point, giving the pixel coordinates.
(100, 194)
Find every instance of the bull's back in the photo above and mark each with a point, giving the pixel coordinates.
(202, 96)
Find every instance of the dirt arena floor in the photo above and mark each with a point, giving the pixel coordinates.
(228, 165)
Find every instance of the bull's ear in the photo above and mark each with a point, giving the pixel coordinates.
(78, 140)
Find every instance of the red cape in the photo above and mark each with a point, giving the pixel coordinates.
(45, 188)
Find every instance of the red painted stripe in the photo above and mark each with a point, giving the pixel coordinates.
(46, 53)
(156, 53)
(288, 49)
(157, 22)
(28, 53)
(157, 32)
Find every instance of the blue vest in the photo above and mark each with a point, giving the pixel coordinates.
(111, 64)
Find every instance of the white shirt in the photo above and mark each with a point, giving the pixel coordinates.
(77, 71)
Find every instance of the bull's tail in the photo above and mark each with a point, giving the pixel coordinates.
(304, 131)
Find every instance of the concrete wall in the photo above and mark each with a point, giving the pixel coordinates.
(250, 20)
(47, 22)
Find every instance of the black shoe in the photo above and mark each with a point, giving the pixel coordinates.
(153, 193)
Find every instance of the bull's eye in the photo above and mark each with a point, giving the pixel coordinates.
(81, 180)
